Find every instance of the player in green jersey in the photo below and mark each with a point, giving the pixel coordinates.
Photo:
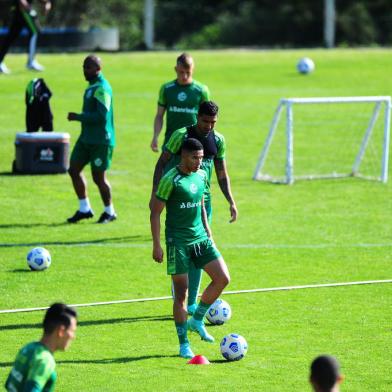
(214, 156)
(95, 144)
(180, 98)
(34, 367)
(188, 240)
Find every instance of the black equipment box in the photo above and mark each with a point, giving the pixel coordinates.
(41, 153)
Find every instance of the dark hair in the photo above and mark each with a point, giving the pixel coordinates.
(58, 314)
(325, 371)
(185, 60)
(208, 108)
(191, 144)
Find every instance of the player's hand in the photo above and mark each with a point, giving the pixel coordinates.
(47, 7)
(157, 253)
(72, 116)
(233, 213)
(154, 145)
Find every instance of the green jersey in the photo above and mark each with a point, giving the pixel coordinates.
(97, 115)
(34, 370)
(181, 103)
(183, 194)
(214, 146)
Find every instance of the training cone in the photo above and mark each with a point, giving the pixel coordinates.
(199, 360)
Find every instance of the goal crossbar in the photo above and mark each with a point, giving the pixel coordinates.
(286, 104)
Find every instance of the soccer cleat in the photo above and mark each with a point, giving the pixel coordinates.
(35, 66)
(4, 69)
(185, 351)
(198, 326)
(192, 309)
(79, 215)
(106, 218)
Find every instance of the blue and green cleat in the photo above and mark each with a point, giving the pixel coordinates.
(186, 351)
(198, 326)
(192, 309)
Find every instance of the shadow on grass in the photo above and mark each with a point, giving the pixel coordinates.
(103, 241)
(89, 323)
(108, 361)
(31, 225)
(104, 361)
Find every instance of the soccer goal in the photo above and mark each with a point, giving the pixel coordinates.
(327, 138)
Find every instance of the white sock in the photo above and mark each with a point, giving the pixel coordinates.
(109, 209)
(32, 48)
(84, 205)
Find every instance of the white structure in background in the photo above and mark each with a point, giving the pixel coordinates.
(329, 23)
(149, 23)
(318, 139)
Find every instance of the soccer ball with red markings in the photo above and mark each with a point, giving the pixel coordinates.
(38, 259)
(233, 347)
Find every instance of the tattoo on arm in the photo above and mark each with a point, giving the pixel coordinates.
(223, 179)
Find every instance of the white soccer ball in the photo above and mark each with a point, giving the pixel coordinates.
(233, 347)
(39, 259)
(305, 65)
(219, 312)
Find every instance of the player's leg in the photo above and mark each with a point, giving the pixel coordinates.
(32, 25)
(100, 162)
(15, 28)
(180, 287)
(195, 274)
(178, 259)
(79, 159)
(208, 257)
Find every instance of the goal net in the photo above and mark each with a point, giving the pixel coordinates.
(313, 138)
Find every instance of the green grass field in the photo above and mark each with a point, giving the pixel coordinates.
(313, 232)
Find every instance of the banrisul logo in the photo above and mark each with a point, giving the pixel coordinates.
(190, 204)
(193, 188)
(181, 96)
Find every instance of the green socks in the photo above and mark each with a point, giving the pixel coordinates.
(201, 311)
(194, 279)
(182, 332)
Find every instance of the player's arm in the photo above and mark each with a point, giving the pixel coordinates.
(24, 5)
(38, 376)
(205, 219)
(103, 103)
(158, 124)
(157, 207)
(224, 184)
(158, 172)
(47, 5)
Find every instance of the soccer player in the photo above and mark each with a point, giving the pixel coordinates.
(34, 367)
(188, 240)
(180, 98)
(325, 374)
(95, 144)
(23, 15)
(214, 155)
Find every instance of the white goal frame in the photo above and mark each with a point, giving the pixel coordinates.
(286, 104)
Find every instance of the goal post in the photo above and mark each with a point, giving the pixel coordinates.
(329, 137)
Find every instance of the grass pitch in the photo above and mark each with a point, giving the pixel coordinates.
(308, 233)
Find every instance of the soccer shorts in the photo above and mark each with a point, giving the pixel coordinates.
(200, 254)
(98, 155)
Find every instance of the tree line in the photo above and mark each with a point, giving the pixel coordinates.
(228, 23)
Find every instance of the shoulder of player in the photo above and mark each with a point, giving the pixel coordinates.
(201, 173)
(219, 138)
(168, 85)
(199, 86)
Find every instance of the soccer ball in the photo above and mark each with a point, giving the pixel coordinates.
(305, 65)
(219, 312)
(233, 347)
(39, 259)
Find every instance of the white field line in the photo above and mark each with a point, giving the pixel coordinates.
(125, 301)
